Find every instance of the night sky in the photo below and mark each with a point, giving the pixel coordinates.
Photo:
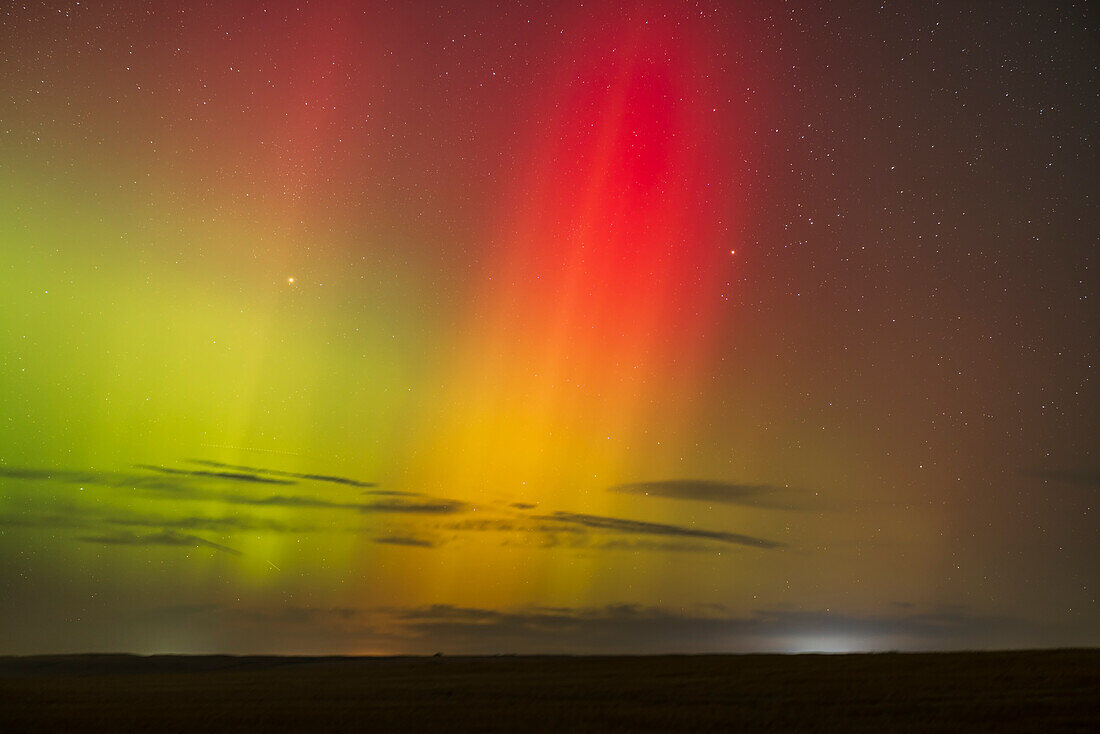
(383, 328)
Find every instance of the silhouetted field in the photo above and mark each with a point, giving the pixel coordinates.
(1056, 690)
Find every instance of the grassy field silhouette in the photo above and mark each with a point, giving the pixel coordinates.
(1056, 690)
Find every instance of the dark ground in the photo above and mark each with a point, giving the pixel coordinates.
(1044, 691)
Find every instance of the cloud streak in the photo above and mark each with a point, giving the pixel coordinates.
(598, 532)
(122, 480)
(429, 507)
(188, 487)
(164, 538)
(332, 479)
(226, 475)
(764, 496)
(404, 541)
(639, 527)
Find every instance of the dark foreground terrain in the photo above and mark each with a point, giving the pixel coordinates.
(965, 692)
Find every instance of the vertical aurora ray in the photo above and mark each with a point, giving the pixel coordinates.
(592, 331)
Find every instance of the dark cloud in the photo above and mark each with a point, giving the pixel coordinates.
(429, 506)
(277, 473)
(650, 545)
(435, 507)
(523, 505)
(227, 475)
(112, 525)
(401, 540)
(633, 628)
(639, 527)
(74, 516)
(73, 519)
(589, 542)
(123, 480)
(502, 525)
(168, 538)
(282, 500)
(558, 529)
(765, 496)
(580, 539)
(189, 487)
(106, 520)
(613, 629)
(594, 532)
(216, 524)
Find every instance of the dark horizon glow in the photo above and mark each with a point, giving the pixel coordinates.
(384, 328)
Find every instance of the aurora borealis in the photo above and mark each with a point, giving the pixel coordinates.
(606, 327)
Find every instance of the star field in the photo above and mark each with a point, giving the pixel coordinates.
(393, 327)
